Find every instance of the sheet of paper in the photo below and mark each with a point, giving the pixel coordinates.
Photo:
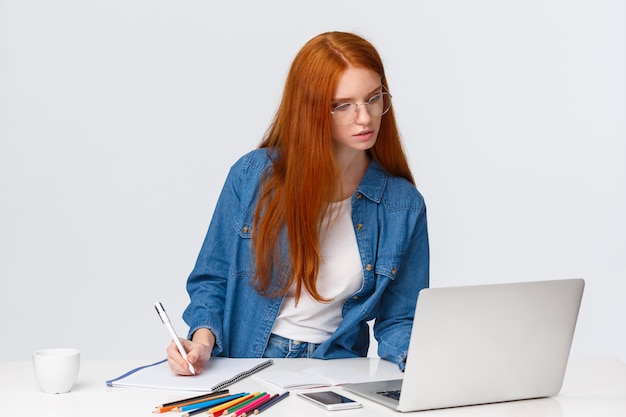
(319, 376)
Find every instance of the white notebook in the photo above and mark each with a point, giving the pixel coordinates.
(217, 374)
(327, 374)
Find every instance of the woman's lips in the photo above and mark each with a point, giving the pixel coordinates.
(365, 135)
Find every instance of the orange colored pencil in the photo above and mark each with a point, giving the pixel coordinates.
(242, 404)
(243, 412)
(217, 410)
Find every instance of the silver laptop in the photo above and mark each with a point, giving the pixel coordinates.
(484, 344)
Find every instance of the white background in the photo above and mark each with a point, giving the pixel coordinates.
(120, 118)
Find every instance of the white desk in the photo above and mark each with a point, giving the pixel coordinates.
(592, 387)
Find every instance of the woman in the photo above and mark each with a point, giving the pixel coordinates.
(317, 231)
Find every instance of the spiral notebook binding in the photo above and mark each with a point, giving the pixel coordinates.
(241, 375)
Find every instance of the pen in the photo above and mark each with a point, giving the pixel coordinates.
(166, 320)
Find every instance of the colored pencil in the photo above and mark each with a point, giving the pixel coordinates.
(210, 403)
(271, 402)
(205, 409)
(191, 400)
(250, 407)
(217, 410)
(271, 398)
(230, 410)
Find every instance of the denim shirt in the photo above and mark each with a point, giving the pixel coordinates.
(389, 218)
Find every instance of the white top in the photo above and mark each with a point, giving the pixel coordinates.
(340, 275)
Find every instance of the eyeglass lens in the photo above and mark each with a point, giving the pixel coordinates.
(346, 113)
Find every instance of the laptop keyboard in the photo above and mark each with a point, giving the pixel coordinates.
(395, 394)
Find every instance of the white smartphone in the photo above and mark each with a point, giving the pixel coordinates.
(330, 400)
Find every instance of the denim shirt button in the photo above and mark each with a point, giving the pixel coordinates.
(245, 229)
(368, 267)
(355, 298)
(359, 226)
(394, 270)
(359, 196)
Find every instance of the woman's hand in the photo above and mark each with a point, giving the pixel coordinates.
(198, 352)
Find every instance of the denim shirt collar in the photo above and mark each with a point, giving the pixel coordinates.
(373, 182)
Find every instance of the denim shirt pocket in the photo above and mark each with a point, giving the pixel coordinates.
(388, 265)
(243, 222)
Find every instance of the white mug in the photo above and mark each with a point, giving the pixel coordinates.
(56, 369)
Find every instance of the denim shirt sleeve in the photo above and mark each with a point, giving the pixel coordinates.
(402, 266)
(208, 283)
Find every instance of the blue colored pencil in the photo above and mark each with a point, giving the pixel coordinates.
(210, 403)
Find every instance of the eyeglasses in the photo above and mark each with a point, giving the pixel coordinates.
(346, 113)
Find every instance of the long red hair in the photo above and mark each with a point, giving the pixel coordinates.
(303, 180)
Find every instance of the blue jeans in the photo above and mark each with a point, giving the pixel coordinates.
(280, 347)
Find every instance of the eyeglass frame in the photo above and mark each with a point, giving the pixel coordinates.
(382, 94)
